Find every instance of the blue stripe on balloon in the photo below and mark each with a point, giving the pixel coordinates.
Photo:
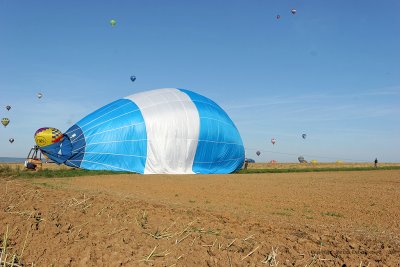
(115, 138)
(78, 147)
(220, 147)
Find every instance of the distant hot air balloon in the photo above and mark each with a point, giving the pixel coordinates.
(5, 121)
(278, 16)
(304, 135)
(11, 140)
(113, 22)
(258, 153)
(133, 78)
(8, 107)
(273, 141)
(301, 159)
(293, 11)
(39, 95)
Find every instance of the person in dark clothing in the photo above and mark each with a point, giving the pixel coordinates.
(30, 165)
(376, 163)
(246, 162)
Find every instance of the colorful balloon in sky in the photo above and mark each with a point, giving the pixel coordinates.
(113, 22)
(133, 78)
(5, 121)
(293, 11)
(39, 95)
(273, 141)
(168, 130)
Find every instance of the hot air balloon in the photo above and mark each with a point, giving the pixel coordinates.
(278, 16)
(258, 153)
(293, 11)
(11, 140)
(8, 107)
(304, 135)
(5, 121)
(301, 159)
(113, 22)
(167, 130)
(133, 78)
(39, 95)
(273, 141)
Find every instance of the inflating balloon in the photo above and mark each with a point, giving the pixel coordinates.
(304, 136)
(258, 153)
(39, 95)
(5, 121)
(113, 22)
(11, 140)
(160, 131)
(133, 78)
(293, 11)
(47, 136)
(273, 141)
(8, 107)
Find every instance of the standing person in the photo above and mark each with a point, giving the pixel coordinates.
(246, 162)
(376, 163)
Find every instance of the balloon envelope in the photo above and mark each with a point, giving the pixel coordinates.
(113, 22)
(258, 153)
(293, 11)
(301, 159)
(39, 95)
(273, 141)
(11, 140)
(8, 107)
(5, 121)
(304, 136)
(160, 131)
(133, 78)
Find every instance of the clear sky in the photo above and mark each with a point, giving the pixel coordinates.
(332, 70)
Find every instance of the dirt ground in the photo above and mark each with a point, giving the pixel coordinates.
(288, 219)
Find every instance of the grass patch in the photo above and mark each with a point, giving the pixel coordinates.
(7, 171)
(327, 169)
(333, 214)
(282, 213)
(44, 185)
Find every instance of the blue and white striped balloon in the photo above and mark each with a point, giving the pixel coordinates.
(167, 130)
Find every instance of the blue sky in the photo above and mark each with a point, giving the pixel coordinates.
(331, 71)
